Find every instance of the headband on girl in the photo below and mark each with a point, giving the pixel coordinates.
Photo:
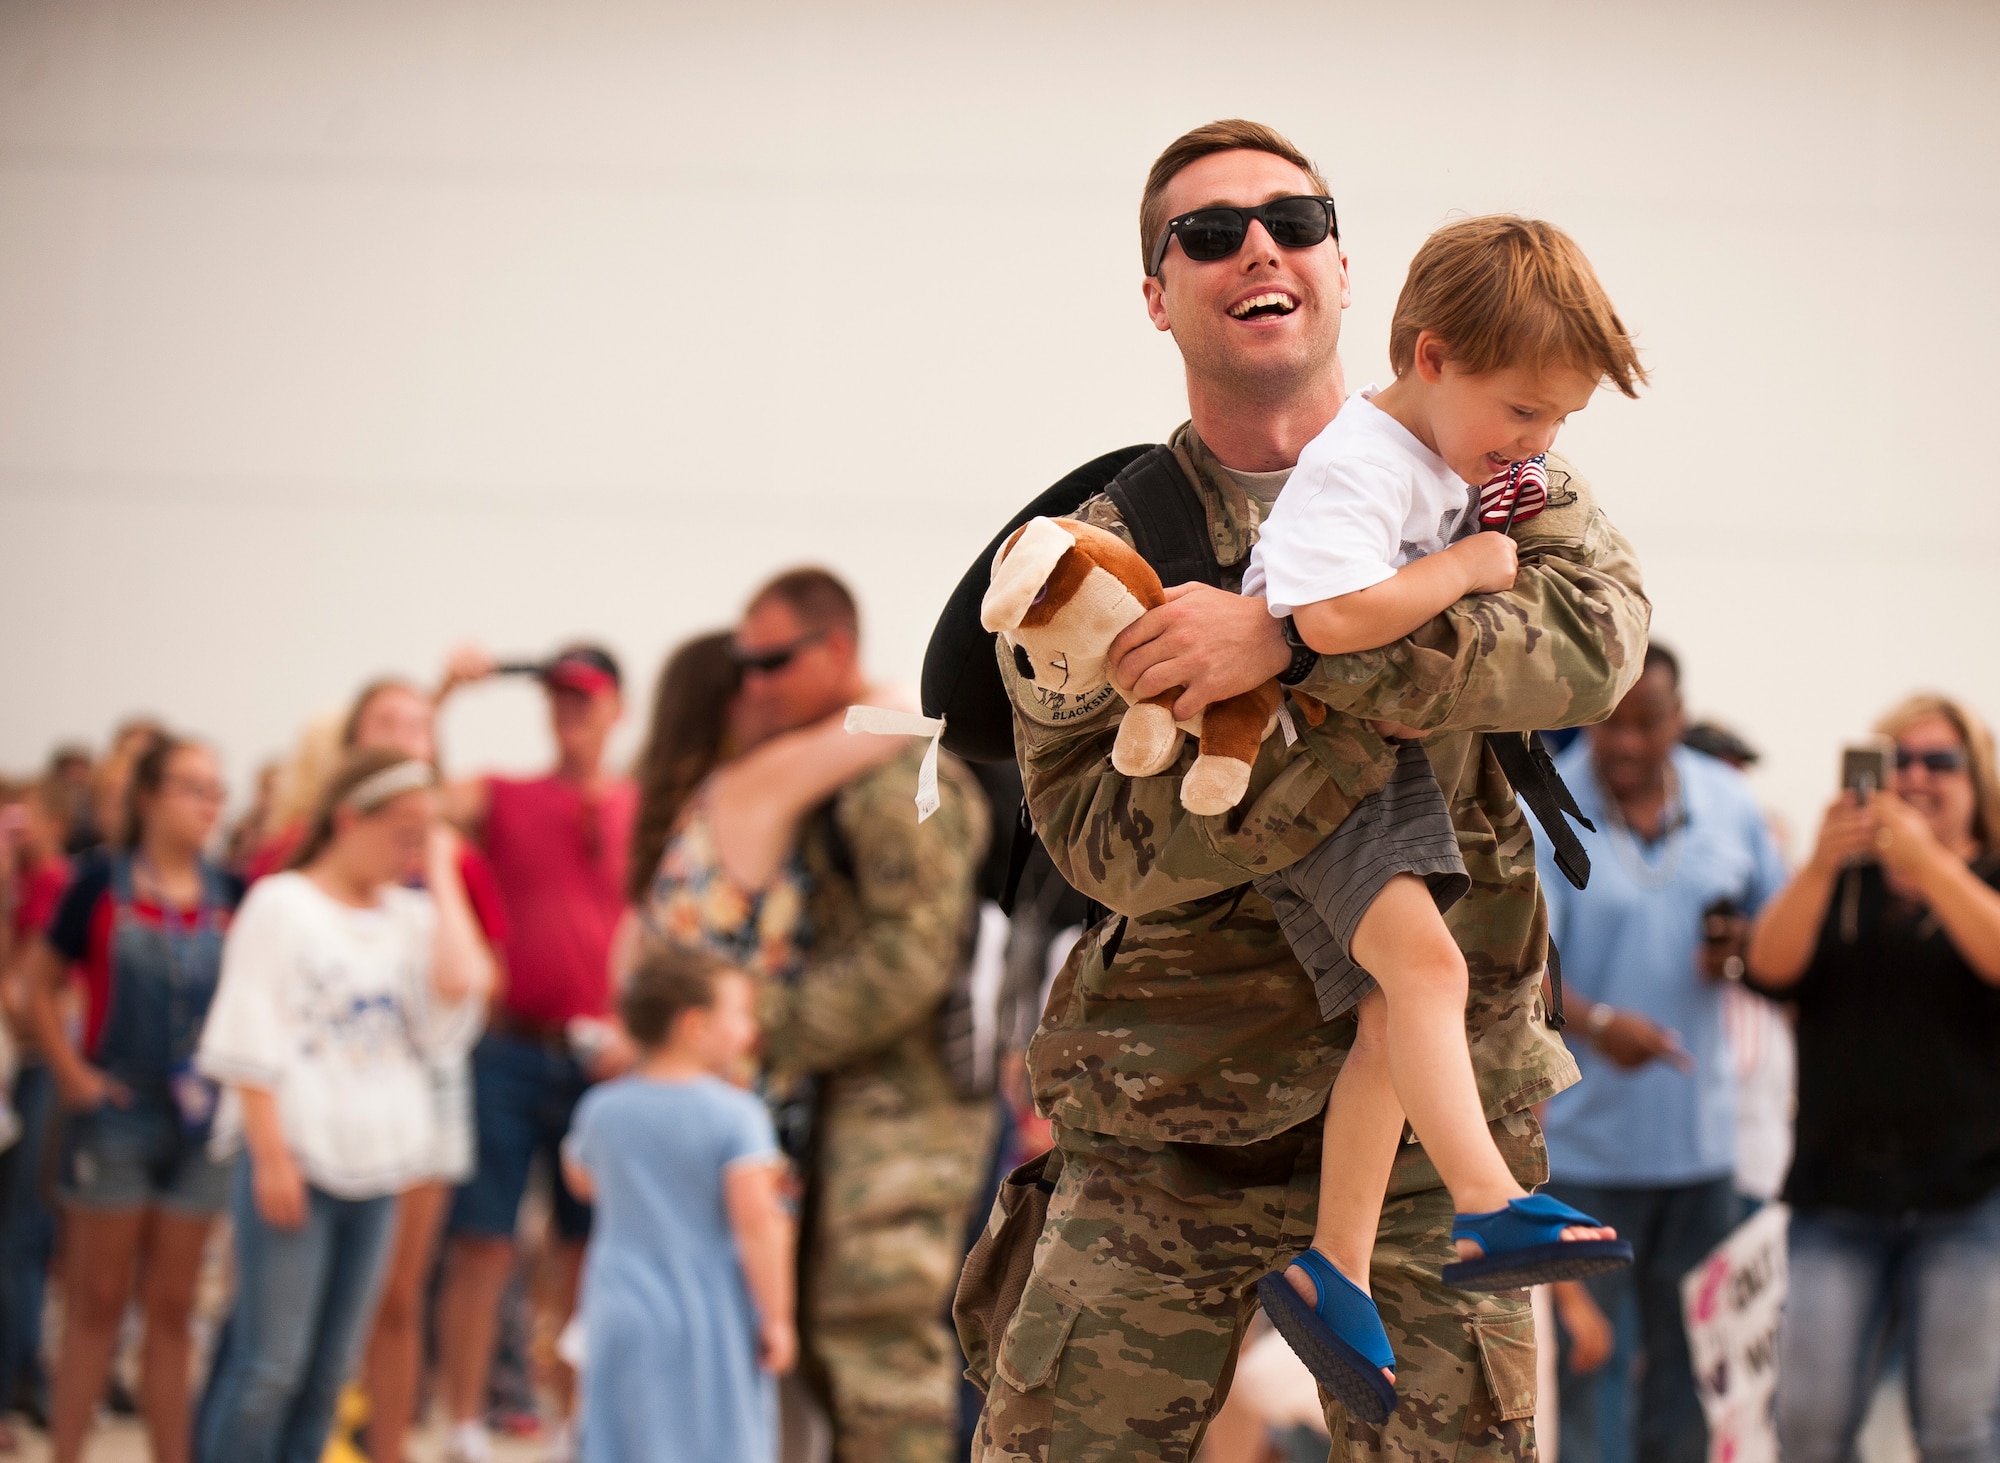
(391, 782)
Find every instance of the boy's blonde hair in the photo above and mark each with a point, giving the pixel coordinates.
(1508, 291)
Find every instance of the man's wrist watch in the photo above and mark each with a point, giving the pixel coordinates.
(1598, 1018)
(1304, 657)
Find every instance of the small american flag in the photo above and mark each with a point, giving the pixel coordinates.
(1519, 493)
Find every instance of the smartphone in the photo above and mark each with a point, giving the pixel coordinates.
(1864, 767)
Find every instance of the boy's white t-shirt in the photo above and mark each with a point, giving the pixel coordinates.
(331, 1008)
(1365, 499)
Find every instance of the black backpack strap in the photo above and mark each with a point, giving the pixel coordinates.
(1557, 1020)
(961, 682)
(1528, 766)
(1019, 847)
(1165, 516)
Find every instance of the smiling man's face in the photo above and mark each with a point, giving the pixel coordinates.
(1265, 322)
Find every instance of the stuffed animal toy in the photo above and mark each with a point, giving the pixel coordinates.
(1060, 593)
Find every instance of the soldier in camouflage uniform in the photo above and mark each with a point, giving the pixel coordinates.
(1182, 1056)
(899, 1156)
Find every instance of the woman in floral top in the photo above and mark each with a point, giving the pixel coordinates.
(714, 847)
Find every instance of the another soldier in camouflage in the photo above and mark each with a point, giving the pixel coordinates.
(1182, 1056)
(899, 1156)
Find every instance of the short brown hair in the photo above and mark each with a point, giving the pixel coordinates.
(667, 981)
(1506, 291)
(816, 596)
(1232, 134)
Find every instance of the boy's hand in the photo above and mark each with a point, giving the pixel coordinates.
(1489, 561)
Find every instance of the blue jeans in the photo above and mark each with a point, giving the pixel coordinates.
(303, 1298)
(1605, 1418)
(141, 1157)
(1856, 1278)
(524, 1094)
(27, 1234)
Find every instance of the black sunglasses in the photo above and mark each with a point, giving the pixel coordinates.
(1208, 234)
(770, 662)
(1938, 759)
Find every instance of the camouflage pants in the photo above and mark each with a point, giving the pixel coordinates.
(1127, 1333)
(892, 1196)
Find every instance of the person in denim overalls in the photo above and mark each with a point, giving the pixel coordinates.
(139, 1190)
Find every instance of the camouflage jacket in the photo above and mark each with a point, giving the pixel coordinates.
(1189, 1020)
(891, 905)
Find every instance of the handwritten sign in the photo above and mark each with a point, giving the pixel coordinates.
(1733, 1301)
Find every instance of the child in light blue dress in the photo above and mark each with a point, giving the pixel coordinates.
(688, 1295)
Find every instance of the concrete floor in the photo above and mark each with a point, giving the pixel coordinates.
(123, 1441)
(1885, 1439)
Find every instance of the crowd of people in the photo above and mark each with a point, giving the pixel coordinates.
(738, 1072)
(388, 1006)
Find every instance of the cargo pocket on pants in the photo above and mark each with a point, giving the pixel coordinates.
(1035, 1339)
(1507, 1357)
(996, 1271)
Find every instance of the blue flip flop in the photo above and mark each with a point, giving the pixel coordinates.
(1523, 1246)
(1341, 1339)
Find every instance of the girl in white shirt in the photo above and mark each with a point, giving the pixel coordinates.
(338, 984)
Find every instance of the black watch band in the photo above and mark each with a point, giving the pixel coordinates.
(1304, 657)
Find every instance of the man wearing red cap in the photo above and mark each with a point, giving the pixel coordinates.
(557, 844)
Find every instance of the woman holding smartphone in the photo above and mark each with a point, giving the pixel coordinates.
(1888, 945)
(339, 986)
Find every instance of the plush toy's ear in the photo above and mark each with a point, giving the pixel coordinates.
(1020, 569)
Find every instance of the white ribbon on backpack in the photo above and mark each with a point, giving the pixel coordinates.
(881, 721)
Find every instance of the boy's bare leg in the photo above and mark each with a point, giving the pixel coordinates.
(1364, 1126)
(1402, 941)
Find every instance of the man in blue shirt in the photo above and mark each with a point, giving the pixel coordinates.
(1647, 1141)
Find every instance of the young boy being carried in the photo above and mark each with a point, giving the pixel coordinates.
(1502, 330)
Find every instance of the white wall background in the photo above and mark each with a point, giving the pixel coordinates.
(333, 333)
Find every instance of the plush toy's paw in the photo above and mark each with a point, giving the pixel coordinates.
(1214, 785)
(1148, 741)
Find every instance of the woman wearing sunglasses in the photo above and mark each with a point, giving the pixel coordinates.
(714, 861)
(1888, 945)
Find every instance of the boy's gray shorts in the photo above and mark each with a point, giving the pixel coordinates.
(1402, 829)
